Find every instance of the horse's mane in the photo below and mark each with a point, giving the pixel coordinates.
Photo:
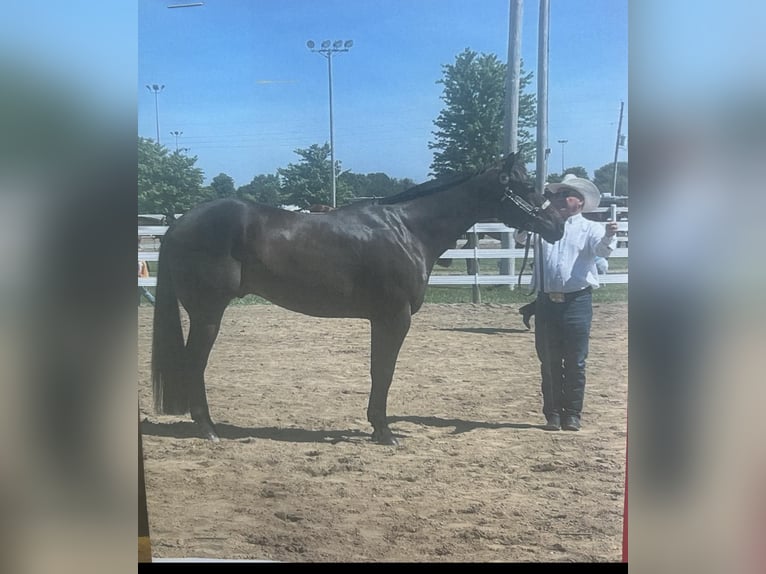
(427, 188)
(518, 172)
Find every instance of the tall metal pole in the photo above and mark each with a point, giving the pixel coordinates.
(157, 115)
(617, 149)
(332, 136)
(327, 51)
(156, 88)
(511, 118)
(542, 96)
(512, 79)
(176, 133)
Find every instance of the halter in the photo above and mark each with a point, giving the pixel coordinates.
(530, 210)
(527, 208)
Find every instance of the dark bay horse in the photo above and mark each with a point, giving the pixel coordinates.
(368, 260)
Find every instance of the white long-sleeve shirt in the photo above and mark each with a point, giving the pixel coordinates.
(569, 265)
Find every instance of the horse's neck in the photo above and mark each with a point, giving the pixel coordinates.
(442, 217)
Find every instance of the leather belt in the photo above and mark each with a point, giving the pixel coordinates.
(556, 297)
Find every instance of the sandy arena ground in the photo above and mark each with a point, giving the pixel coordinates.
(296, 478)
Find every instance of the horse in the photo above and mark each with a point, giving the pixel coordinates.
(368, 260)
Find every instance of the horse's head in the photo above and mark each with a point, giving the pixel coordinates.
(520, 205)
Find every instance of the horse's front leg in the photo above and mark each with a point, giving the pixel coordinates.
(387, 337)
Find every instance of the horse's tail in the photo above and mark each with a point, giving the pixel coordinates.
(171, 395)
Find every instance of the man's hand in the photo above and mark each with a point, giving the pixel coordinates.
(611, 228)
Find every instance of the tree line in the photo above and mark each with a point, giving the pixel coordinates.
(468, 137)
(169, 183)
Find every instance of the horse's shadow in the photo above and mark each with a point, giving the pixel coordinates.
(485, 330)
(188, 429)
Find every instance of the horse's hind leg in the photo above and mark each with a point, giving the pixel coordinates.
(203, 330)
(387, 337)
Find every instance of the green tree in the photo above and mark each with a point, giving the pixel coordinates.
(577, 170)
(168, 183)
(310, 181)
(603, 177)
(358, 183)
(470, 128)
(374, 184)
(223, 186)
(263, 189)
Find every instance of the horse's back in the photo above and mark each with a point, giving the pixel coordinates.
(211, 221)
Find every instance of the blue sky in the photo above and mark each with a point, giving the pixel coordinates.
(246, 92)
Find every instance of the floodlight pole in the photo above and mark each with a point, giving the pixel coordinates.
(327, 50)
(156, 88)
(176, 133)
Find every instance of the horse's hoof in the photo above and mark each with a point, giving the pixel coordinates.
(385, 438)
(209, 433)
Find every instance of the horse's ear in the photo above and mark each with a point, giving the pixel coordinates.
(514, 166)
(509, 162)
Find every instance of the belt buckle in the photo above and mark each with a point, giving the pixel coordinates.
(556, 297)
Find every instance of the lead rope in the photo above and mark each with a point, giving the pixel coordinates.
(526, 257)
(539, 265)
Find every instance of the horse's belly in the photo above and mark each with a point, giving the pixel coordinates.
(335, 292)
(310, 299)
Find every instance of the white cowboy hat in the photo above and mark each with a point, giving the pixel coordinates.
(585, 187)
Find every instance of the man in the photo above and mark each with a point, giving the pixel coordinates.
(564, 276)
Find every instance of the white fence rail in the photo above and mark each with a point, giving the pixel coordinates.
(474, 253)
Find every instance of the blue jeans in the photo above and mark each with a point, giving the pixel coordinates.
(146, 293)
(562, 331)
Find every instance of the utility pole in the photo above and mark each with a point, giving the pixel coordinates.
(616, 150)
(511, 118)
(512, 79)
